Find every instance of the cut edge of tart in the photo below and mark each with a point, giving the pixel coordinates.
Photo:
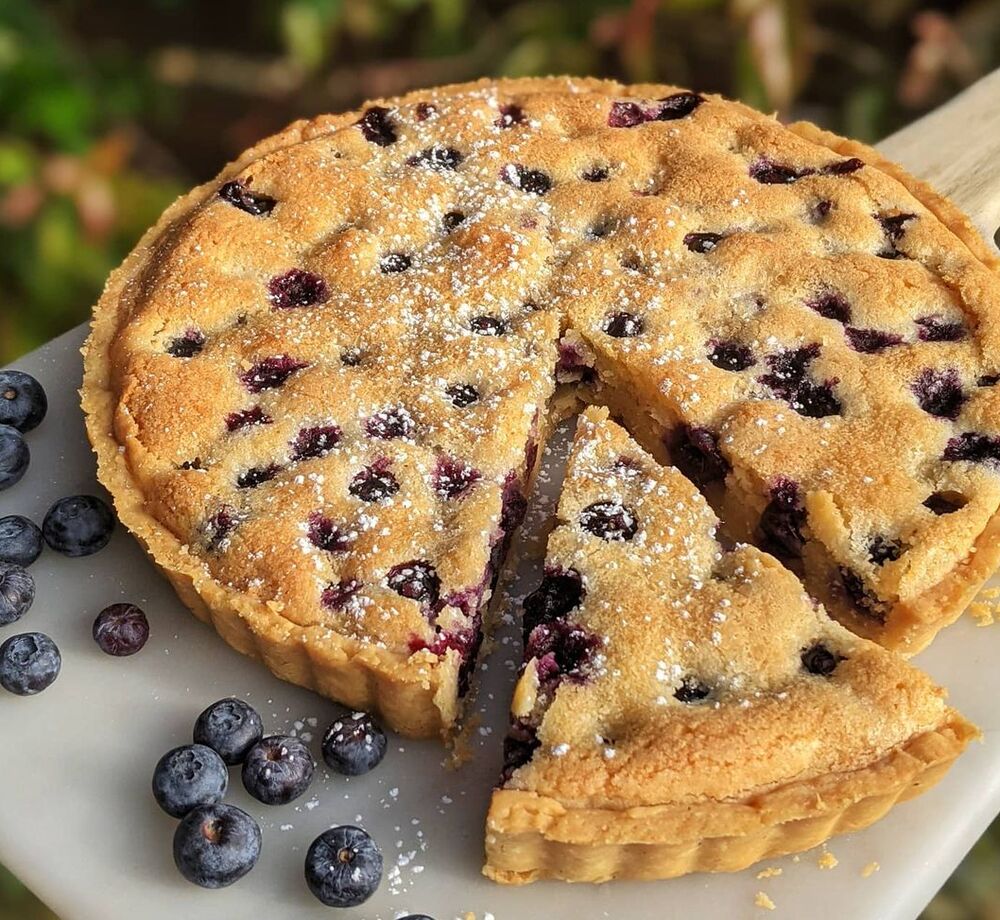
(685, 707)
(161, 357)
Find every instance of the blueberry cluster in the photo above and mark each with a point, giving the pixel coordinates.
(77, 525)
(216, 844)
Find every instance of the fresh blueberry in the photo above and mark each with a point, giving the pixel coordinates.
(121, 630)
(216, 845)
(416, 917)
(17, 592)
(28, 663)
(20, 540)
(230, 727)
(78, 525)
(189, 776)
(278, 769)
(23, 403)
(354, 744)
(14, 456)
(343, 866)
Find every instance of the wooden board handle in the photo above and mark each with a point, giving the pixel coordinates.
(957, 149)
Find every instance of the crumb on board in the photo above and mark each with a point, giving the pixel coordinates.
(827, 860)
(763, 901)
(769, 872)
(870, 869)
(985, 609)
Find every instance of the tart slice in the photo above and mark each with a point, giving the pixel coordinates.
(687, 707)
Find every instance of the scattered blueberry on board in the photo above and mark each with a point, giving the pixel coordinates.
(215, 845)
(278, 769)
(231, 728)
(14, 456)
(23, 403)
(354, 744)
(17, 592)
(20, 540)
(121, 630)
(343, 866)
(29, 663)
(78, 525)
(187, 777)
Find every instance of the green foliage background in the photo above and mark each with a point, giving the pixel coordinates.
(110, 109)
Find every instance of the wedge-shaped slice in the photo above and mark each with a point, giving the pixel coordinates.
(684, 707)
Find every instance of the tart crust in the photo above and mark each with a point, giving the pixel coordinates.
(531, 837)
(415, 693)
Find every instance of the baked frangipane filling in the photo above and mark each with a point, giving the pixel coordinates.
(314, 381)
(685, 707)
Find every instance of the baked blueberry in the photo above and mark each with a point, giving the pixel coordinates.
(187, 344)
(488, 325)
(560, 592)
(562, 650)
(692, 690)
(532, 181)
(247, 418)
(374, 483)
(20, 540)
(390, 422)
(394, 262)
(702, 242)
(696, 453)
(377, 126)
(121, 630)
(674, 106)
(938, 329)
(819, 660)
(216, 845)
(832, 305)
(343, 866)
(270, 373)
(454, 478)
(17, 592)
(871, 341)
(728, 355)
(337, 595)
(229, 727)
(609, 520)
(882, 550)
(314, 442)
(417, 580)
(189, 776)
(451, 220)
(462, 395)
(509, 116)
(278, 769)
(940, 393)
(238, 194)
(29, 663)
(782, 520)
(974, 447)
(257, 476)
(622, 325)
(14, 456)
(23, 403)
(297, 288)
(325, 534)
(354, 744)
(78, 525)
(437, 157)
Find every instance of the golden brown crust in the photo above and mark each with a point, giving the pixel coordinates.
(146, 414)
(531, 837)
